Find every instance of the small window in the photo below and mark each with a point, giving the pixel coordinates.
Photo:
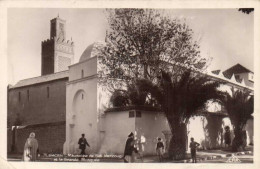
(82, 73)
(19, 96)
(138, 114)
(48, 92)
(82, 96)
(28, 95)
(131, 114)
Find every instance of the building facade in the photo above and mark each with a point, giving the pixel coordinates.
(68, 100)
(107, 129)
(39, 104)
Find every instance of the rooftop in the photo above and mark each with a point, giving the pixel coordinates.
(236, 69)
(41, 79)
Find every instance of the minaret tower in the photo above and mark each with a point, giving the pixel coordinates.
(57, 52)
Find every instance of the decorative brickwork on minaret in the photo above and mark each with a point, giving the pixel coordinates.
(57, 52)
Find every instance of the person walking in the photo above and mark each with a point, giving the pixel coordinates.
(193, 149)
(82, 144)
(160, 149)
(30, 148)
(129, 149)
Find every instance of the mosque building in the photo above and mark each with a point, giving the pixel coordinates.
(67, 100)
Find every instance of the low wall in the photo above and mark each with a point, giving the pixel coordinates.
(50, 136)
(149, 123)
(117, 127)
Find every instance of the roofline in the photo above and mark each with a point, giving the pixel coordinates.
(82, 61)
(240, 65)
(13, 86)
(34, 84)
(228, 81)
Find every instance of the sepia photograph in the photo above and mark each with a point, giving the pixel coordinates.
(130, 85)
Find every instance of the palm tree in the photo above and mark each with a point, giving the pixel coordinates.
(240, 107)
(179, 100)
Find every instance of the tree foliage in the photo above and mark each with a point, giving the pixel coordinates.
(179, 100)
(183, 98)
(135, 94)
(158, 59)
(240, 106)
(141, 42)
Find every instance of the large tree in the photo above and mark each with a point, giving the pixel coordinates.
(140, 42)
(240, 106)
(156, 55)
(179, 100)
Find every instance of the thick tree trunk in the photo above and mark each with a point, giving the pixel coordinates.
(213, 129)
(239, 141)
(177, 148)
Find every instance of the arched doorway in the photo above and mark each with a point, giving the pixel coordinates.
(77, 127)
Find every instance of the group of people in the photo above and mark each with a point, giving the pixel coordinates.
(31, 148)
(135, 147)
(131, 149)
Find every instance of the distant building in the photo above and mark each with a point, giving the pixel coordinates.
(239, 74)
(67, 100)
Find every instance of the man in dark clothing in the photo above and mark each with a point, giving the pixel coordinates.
(129, 148)
(82, 144)
(160, 149)
(193, 148)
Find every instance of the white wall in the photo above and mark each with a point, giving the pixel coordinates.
(81, 111)
(117, 127)
(89, 67)
(151, 124)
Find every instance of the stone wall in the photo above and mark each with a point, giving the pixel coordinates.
(38, 107)
(50, 136)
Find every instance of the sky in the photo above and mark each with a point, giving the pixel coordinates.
(227, 35)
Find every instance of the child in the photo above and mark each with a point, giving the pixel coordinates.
(193, 147)
(159, 149)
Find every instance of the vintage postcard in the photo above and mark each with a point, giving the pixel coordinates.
(99, 83)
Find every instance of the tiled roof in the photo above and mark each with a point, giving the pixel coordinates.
(235, 70)
(41, 79)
